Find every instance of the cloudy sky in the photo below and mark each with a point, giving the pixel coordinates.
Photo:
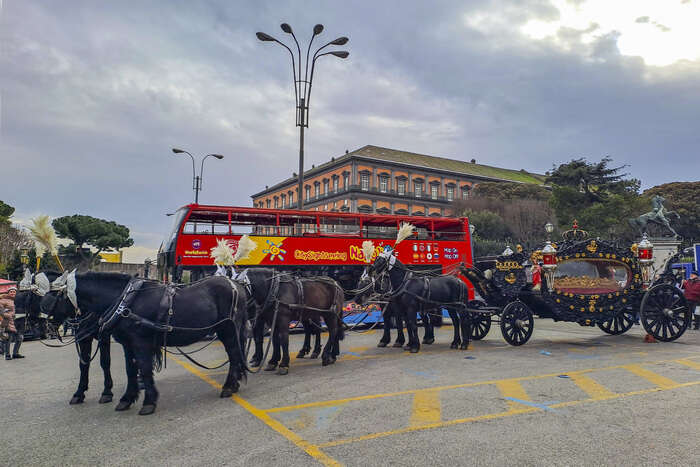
(94, 94)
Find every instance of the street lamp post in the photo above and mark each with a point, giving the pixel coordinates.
(302, 87)
(196, 179)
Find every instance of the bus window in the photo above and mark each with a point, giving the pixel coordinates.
(339, 225)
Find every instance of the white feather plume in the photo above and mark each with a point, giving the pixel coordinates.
(222, 253)
(44, 236)
(368, 250)
(245, 247)
(404, 232)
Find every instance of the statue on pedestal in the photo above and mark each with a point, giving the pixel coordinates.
(657, 216)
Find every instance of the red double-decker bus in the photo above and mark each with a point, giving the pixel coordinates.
(308, 242)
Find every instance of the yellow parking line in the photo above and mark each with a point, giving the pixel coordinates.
(310, 449)
(493, 416)
(591, 386)
(689, 363)
(650, 376)
(427, 408)
(513, 389)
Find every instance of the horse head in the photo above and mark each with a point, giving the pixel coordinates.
(59, 301)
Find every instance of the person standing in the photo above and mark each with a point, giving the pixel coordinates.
(691, 292)
(7, 307)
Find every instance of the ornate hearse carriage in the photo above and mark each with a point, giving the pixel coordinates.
(588, 281)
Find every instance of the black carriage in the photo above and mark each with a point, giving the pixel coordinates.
(586, 281)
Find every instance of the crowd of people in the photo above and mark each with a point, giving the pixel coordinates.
(691, 292)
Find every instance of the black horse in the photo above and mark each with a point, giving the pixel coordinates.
(283, 298)
(145, 316)
(410, 294)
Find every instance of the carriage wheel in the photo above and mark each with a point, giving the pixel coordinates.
(618, 324)
(481, 322)
(517, 323)
(664, 312)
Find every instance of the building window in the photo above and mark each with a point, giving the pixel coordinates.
(383, 183)
(364, 182)
(277, 202)
(325, 187)
(401, 187)
(450, 193)
(418, 189)
(268, 204)
(317, 189)
(465, 192)
(335, 185)
(346, 181)
(434, 191)
(291, 199)
(308, 193)
(284, 201)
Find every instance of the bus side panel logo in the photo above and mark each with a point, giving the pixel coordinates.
(196, 244)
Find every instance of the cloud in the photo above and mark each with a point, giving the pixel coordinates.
(642, 19)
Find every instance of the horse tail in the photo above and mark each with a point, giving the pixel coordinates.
(158, 357)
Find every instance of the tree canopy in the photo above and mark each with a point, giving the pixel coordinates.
(511, 191)
(6, 212)
(86, 231)
(600, 197)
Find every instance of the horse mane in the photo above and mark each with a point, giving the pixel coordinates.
(108, 276)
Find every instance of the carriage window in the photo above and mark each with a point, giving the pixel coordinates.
(591, 276)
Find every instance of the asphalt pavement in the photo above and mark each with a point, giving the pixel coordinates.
(570, 396)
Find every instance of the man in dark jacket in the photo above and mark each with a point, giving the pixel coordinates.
(691, 292)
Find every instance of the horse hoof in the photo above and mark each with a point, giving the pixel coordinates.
(147, 409)
(382, 344)
(77, 400)
(271, 367)
(255, 362)
(283, 370)
(454, 345)
(397, 344)
(414, 349)
(227, 392)
(429, 341)
(105, 398)
(314, 355)
(301, 354)
(464, 346)
(122, 406)
(407, 347)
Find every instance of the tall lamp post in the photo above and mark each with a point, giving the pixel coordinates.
(197, 179)
(302, 87)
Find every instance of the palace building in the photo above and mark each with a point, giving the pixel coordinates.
(379, 180)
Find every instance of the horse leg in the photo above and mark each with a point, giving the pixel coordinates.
(105, 363)
(399, 320)
(456, 323)
(306, 348)
(284, 342)
(85, 350)
(229, 339)
(412, 329)
(428, 334)
(258, 338)
(317, 335)
(132, 386)
(144, 360)
(328, 356)
(274, 360)
(386, 336)
(466, 324)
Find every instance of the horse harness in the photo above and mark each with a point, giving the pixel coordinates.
(424, 295)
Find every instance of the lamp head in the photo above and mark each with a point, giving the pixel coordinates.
(286, 28)
(340, 41)
(318, 29)
(549, 228)
(264, 37)
(218, 156)
(178, 151)
(340, 53)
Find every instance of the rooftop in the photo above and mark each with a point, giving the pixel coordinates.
(422, 160)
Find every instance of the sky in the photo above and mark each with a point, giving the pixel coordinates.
(93, 95)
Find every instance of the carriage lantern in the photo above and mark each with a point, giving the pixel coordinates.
(549, 264)
(507, 251)
(645, 253)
